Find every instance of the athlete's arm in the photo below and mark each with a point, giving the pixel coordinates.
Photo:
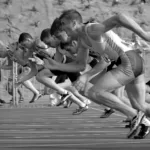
(120, 20)
(98, 68)
(31, 74)
(76, 66)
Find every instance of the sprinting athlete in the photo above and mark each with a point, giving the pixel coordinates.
(46, 37)
(129, 70)
(9, 53)
(43, 75)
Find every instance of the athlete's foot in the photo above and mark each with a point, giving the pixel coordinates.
(68, 104)
(128, 121)
(64, 97)
(144, 131)
(21, 99)
(80, 110)
(2, 101)
(35, 98)
(11, 101)
(136, 121)
(107, 113)
(128, 125)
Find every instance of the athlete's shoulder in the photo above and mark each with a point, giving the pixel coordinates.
(95, 27)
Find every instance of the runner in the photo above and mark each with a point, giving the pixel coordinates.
(43, 75)
(96, 36)
(13, 52)
(7, 52)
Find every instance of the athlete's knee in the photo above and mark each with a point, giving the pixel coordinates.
(72, 89)
(140, 107)
(94, 94)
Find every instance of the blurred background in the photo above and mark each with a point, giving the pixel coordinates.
(33, 16)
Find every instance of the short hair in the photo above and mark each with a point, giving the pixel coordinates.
(64, 45)
(24, 36)
(45, 34)
(71, 15)
(55, 27)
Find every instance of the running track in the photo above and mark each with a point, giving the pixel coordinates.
(56, 128)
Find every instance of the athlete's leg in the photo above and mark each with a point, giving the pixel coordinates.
(78, 95)
(44, 78)
(21, 98)
(136, 94)
(120, 92)
(101, 94)
(28, 84)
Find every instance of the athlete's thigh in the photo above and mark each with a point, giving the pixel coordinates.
(106, 82)
(95, 78)
(45, 72)
(92, 82)
(136, 89)
(119, 92)
(113, 79)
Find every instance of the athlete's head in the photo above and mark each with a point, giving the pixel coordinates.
(25, 40)
(57, 32)
(48, 39)
(71, 47)
(70, 21)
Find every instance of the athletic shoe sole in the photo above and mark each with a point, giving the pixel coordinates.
(143, 136)
(135, 128)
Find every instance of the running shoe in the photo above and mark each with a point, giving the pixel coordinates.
(64, 97)
(35, 98)
(2, 101)
(21, 99)
(68, 104)
(144, 131)
(136, 121)
(107, 113)
(80, 110)
(128, 125)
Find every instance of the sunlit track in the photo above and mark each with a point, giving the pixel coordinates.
(56, 128)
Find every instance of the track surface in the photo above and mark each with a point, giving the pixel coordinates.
(56, 128)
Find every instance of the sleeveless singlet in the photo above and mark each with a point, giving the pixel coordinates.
(110, 47)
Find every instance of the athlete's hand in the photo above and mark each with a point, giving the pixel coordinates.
(37, 60)
(80, 84)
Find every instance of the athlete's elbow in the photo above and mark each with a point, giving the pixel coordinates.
(120, 17)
